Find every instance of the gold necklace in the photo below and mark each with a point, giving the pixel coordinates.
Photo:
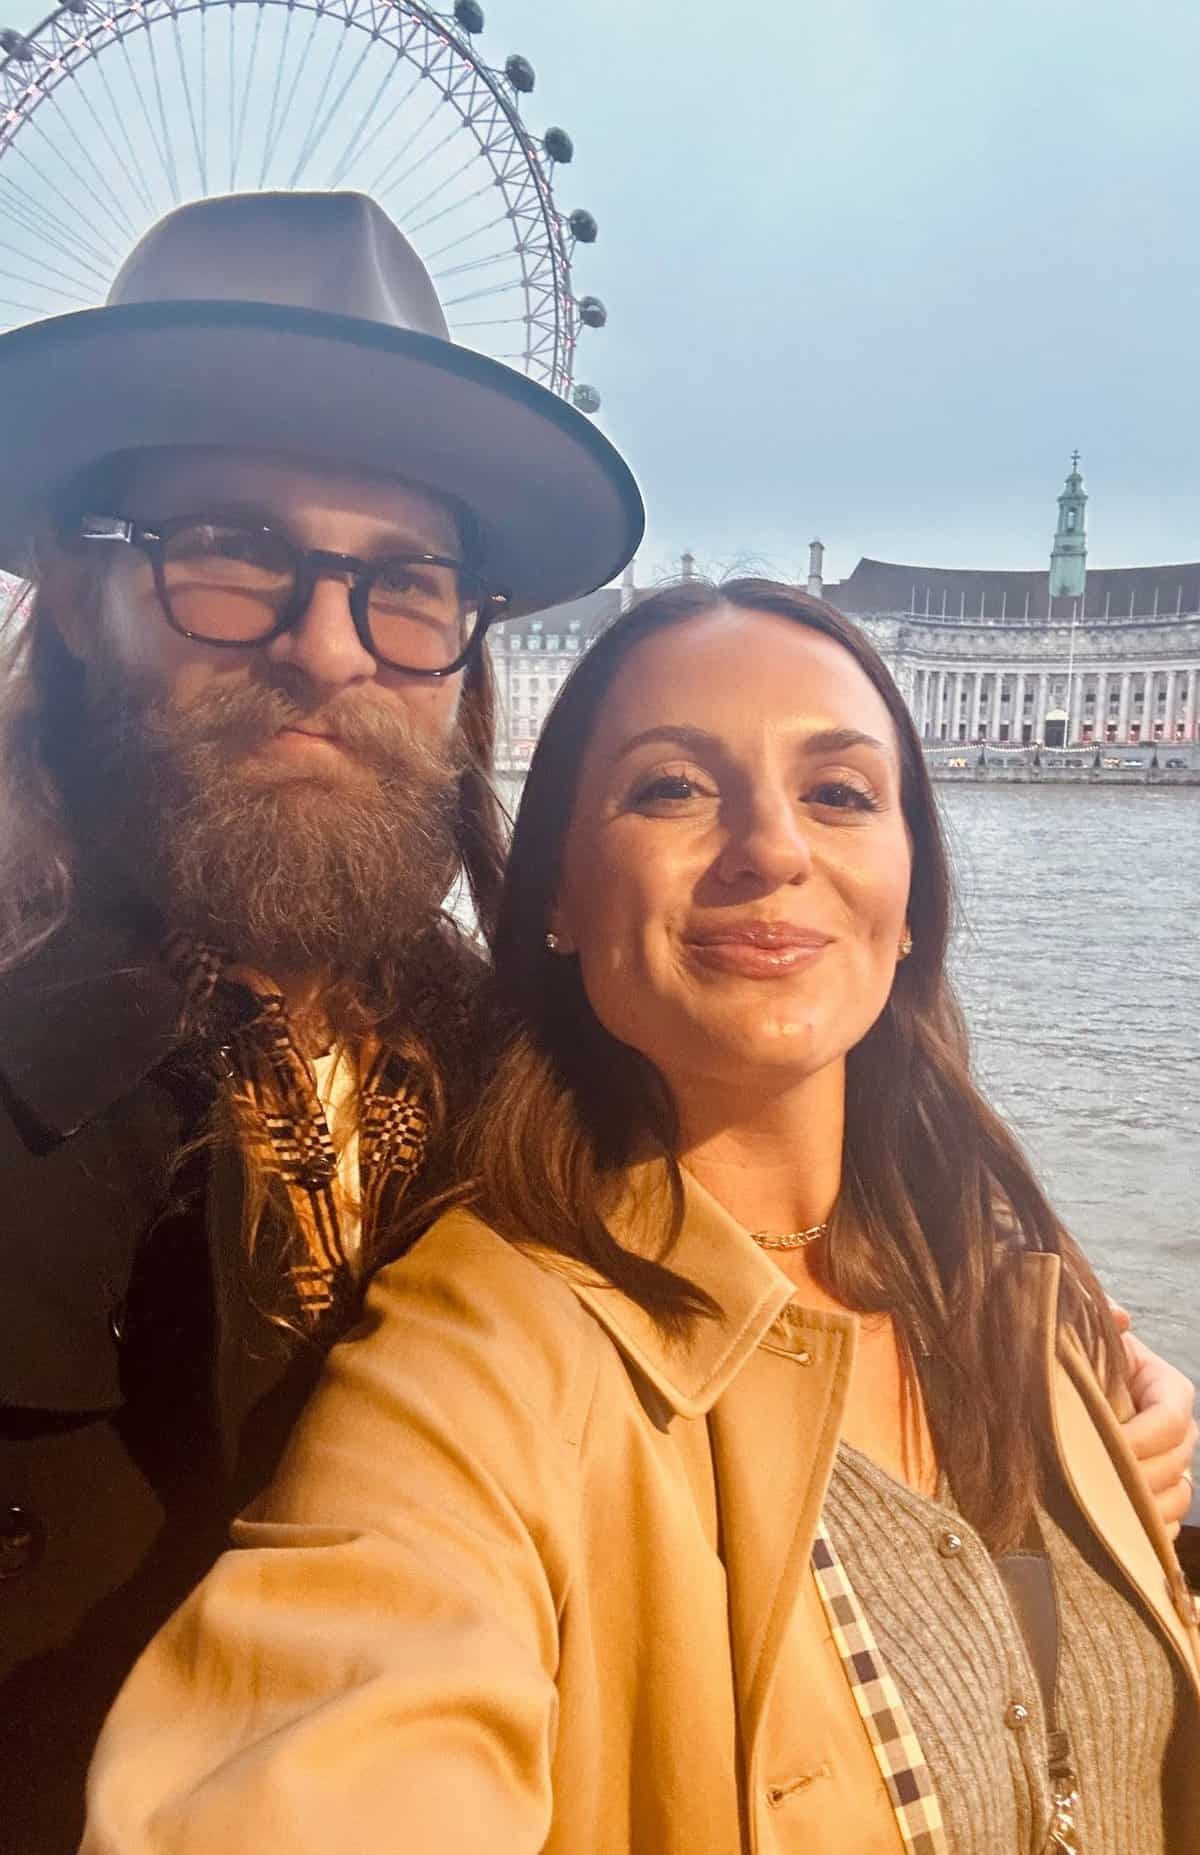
(792, 1239)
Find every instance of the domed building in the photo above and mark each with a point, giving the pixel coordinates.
(1062, 655)
(1058, 656)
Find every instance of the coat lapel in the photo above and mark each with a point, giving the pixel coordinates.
(1102, 1475)
(774, 1436)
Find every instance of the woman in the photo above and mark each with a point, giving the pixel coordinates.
(663, 1504)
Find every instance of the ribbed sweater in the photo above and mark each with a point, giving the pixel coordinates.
(947, 1633)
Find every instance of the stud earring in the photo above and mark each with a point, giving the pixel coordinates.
(552, 943)
(906, 945)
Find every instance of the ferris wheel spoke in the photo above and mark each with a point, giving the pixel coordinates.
(140, 95)
(168, 155)
(241, 129)
(454, 207)
(113, 205)
(188, 103)
(352, 147)
(481, 296)
(89, 164)
(421, 162)
(77, 286)
(112, 258)
(119, 118)
(130, 171)
(33, 217)
(33, 309)
(494, 322)
(456, 244)
(473, 264)
(280, 63)
(286, 111)
(449, 180)
(321, 124)
(404, 147)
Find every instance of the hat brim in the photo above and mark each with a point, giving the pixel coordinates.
(558, 509)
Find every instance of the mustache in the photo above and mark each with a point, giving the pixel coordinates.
(238, 719)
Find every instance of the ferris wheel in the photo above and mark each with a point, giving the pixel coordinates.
(113, 111)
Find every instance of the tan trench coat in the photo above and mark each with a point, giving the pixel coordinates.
(532, 1578)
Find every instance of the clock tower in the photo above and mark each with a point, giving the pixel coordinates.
(1068, 560)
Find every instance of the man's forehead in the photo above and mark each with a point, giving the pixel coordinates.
(279, 482)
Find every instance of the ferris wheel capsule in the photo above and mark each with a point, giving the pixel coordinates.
(558, 146)
(519, 73)
(585, 398)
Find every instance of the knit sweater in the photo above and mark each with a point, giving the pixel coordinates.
(946, 1631)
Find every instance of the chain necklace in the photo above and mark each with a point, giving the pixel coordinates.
(792, 1239)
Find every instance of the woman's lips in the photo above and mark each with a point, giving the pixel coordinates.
(757, 950)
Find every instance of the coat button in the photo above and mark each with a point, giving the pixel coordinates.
(22, 1541)
(1015, 1715)
(949, 1543)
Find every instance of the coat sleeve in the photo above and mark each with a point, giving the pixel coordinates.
(373, 1667)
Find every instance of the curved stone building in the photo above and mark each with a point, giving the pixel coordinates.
(1060, 656)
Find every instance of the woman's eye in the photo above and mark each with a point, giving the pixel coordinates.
(667, 788)
(840, 795)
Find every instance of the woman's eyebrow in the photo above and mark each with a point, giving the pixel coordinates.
(837, 740)
(699, 740)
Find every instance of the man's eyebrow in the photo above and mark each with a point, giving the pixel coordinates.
(825, 741)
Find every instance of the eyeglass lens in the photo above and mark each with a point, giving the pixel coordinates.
(231, 585)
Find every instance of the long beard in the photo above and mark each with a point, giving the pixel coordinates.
(289, 868)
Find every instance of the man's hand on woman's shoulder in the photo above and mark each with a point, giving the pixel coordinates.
(1162, 1433)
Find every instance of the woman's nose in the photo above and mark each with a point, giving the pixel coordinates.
(770, 844)
(323, 644)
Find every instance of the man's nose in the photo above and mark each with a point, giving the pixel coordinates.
(324, 644)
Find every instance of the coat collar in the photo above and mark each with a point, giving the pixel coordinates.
(719, 1256)
(83, 1022)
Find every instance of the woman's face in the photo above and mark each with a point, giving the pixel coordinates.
(736, 871)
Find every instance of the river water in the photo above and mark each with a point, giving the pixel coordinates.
(1077, 956)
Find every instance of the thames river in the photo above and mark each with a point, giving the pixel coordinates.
(1078, 959)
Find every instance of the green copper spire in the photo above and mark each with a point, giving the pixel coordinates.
(1068, 560)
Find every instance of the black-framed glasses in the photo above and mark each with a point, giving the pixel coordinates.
(237, 583)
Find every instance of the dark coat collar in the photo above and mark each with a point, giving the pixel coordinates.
(84, 1021)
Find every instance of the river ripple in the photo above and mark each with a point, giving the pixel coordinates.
(1077, 958)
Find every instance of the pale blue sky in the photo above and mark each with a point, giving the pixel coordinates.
(874, 269)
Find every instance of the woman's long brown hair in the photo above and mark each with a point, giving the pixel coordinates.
(935, 1193)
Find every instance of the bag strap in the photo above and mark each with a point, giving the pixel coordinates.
(1028, 1580)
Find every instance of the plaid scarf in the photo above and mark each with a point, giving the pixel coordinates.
(281, 1131)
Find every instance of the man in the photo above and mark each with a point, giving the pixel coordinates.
(244, 751)
(245, 746)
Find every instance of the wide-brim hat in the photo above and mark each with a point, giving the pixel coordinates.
(306, 323)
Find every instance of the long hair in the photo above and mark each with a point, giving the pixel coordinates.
(936, 1193)
(423, 1002)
